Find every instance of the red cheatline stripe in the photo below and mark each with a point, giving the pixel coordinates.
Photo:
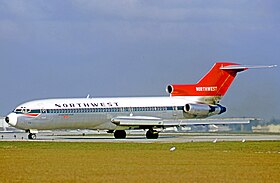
(32, 115)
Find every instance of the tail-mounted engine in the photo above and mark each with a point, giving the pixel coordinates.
(202, 110)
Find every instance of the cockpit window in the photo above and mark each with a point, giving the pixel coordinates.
(24, 110)
(17, 110)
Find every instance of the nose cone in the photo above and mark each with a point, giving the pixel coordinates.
(11, 119)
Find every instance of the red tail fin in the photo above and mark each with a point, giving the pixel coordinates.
(214, 83)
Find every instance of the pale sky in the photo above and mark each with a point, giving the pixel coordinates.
(72, 48)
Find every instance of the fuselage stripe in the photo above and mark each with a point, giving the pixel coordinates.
(35, 112)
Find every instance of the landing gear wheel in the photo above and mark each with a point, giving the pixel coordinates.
(32, 136)
(152, 134)
(120, 134)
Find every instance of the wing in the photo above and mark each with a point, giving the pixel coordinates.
(145, 121)
(137, 121)
(210, 121)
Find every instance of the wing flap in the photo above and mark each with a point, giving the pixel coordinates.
(137, 121)
(211, 121)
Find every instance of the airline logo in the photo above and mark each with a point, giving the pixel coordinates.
(87, 105)
(206, 88)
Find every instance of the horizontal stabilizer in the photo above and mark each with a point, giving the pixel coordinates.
(244, 67)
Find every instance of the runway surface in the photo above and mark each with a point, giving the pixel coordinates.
(138, 137)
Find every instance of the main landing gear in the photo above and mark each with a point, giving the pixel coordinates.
(120, 134)
(152, 134)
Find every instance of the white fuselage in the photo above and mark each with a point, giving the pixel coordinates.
(95, 113)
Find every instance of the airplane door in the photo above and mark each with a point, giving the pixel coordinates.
(174, 114)
(43, 113)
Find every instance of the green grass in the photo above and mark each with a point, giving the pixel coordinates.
(133, 162)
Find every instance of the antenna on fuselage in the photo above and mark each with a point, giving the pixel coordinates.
(88, 96)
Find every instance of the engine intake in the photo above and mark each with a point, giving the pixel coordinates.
(169, 89)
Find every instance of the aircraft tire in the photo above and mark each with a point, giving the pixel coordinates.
(32, 136)
(120, 134)
(152, 134)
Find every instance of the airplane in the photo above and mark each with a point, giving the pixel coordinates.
(187, 104)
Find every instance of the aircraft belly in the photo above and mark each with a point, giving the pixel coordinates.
(67, 121)
(88, 121)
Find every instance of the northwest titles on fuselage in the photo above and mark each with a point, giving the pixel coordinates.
(87, 105)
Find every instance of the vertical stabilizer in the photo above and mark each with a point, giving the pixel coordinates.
(214, 84)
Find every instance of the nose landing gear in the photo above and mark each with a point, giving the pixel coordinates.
(32, 136)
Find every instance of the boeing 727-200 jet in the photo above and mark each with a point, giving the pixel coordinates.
(187, 104)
